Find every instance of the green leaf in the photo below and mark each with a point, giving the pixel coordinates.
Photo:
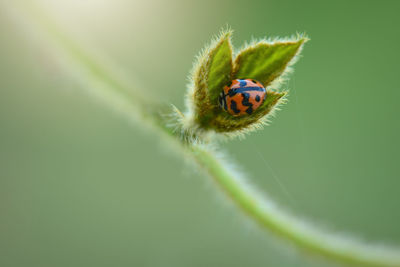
(266, 61)
(220, 67)
(212, 72)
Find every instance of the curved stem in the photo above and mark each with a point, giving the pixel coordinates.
(102, 83)
(305, 235)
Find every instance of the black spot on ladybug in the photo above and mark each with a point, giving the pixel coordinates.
(231, 92)
(258, 98)
(245, 102)
(234, 107)
(242, 83)
(249, 110)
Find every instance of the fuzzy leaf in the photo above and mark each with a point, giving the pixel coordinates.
(212, 73)
(265, 61)
(220, 68)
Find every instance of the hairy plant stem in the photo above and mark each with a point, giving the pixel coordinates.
(102, 83)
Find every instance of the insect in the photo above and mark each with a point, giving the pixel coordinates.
(242, 97)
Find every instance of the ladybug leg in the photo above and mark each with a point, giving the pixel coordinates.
(222, 100)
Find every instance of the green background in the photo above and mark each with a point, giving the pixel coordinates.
(80, 187)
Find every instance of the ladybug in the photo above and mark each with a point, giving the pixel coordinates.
(242, 97)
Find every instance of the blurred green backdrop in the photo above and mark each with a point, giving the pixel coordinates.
(81, 187)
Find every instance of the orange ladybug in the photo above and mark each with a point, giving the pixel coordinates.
(242, 97)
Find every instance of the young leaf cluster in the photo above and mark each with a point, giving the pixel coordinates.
(264, 61)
